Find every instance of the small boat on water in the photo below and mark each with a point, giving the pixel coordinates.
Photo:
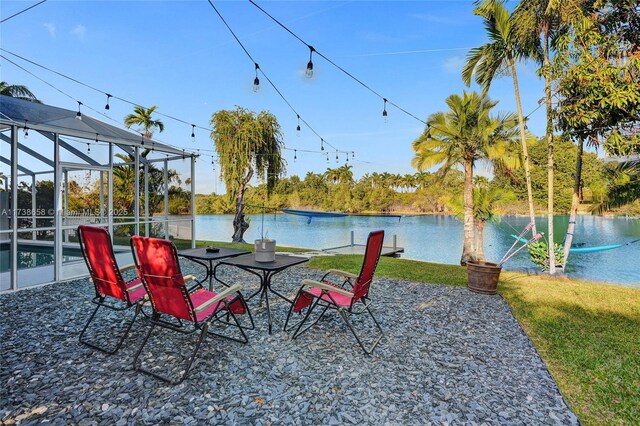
(309, 214)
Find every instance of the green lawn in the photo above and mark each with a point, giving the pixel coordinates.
(587, 333)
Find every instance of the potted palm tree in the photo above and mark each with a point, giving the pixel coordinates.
(482, 275)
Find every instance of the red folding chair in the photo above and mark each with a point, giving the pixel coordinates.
(158, 266)
(326, 294)
(97, 251)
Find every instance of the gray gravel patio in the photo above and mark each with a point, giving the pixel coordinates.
(449, 357)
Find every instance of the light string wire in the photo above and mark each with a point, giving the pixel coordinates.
(185, 150)
(271, 82)
(314, 50)
(102, 91)
(135, 103)
(22, 11)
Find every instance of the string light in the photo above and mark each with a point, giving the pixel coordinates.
(26, 129)
(298, 128)
(88, 148)
(336, 156)
(384, 109)
(79, 114)
(107, 105)
(309, 71)
(193, 133)
(295, 155)
(353, 154)
(327, 158)
(256, 81)
(321, 144)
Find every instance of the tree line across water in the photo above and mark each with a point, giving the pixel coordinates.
(429, 193)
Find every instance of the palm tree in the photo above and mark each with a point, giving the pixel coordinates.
(498, 56)
(142, 117)
(246, 142)
(546, 19)
(461, 136)
(17, 91)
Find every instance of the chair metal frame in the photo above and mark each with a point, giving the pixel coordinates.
(224, 308)
(305, 299)
(100, 298)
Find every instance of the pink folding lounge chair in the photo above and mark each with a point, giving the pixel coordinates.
(97, 251)
(345, 297)
(158, 266)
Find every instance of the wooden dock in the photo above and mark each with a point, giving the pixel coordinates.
(359, 249)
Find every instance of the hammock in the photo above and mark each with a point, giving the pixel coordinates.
(313, 213)
(580, 250)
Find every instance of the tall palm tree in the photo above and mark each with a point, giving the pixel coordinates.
(142, 117)
(546, 19)
(246, 143)
(17, 91)
(498, 56)
(463, 135)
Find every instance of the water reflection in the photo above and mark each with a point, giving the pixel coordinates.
(438, 238)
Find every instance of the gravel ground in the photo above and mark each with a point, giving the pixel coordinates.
(449, 357)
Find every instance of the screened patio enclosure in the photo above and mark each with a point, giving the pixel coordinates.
(60, 169)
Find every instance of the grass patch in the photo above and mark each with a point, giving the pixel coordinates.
(250, 247)
(587, 333)
(403, 269)
(589, 336)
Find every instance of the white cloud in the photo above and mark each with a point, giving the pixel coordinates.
(79, 31)
(454, 64)
(51, 28)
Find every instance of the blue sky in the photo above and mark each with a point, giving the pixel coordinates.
(179, 56)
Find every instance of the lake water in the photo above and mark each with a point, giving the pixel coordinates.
(438, 238)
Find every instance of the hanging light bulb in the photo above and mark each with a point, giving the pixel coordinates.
(193, 133)
(353, 154)
(309, 71)
(295, 155)
(141, 139)
(88, 148)
(79, 114)
(336, 156)
(321, 144)
(256, 81)
(107, 105)
(327, 158)
(26, 129)
(384, 109)
(298, 127)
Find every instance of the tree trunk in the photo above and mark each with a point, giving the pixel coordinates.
(239, 224)
(468, 252)
(550, 166)
(575, 201)
(480, 226)
(523, 141)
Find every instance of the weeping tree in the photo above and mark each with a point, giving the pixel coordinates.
(246, 143)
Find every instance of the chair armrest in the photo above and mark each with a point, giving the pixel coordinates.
(128, 268)
(343, 273)
(188, 278)
(323, 286)
(134, 287)
(218, 297)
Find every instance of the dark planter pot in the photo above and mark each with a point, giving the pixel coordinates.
(483, 277)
